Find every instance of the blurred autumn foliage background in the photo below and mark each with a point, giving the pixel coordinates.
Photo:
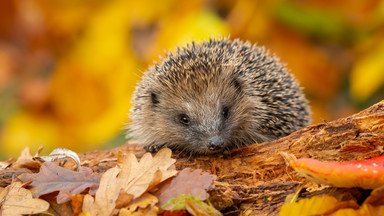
(68, 68)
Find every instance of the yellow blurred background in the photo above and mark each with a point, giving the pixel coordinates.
(68, 68)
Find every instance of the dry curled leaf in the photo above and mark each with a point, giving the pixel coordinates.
(144, 205)
(104, 202)
(130, 177)
(4, 164)
(367, 174)
(187, 182)
(59, 153)
(151, 211)
(26, 160)
(16, 200)
(53, 178)
(138, 176)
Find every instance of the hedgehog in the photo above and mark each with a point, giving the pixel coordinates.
(212, 96)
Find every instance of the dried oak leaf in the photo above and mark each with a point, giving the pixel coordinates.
(53, 178)
(26, 160)
(141, 176)
(8, 175)
(129, 177)
(64, 209)
(144, 205)
(187, 182)
(16, 200)
(106, 195)
(367, 174)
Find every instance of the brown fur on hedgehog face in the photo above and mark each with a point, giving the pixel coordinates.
(215, 96)
(203, 115)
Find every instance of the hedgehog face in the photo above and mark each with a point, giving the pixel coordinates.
(204, 126)
(203, 120)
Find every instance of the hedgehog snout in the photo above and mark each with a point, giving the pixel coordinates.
(215, 143)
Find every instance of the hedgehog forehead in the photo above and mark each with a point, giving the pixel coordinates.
(209, 100)
(197, 86)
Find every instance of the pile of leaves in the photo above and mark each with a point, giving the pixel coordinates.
(149, 186)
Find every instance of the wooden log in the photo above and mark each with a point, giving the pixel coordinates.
(256, 178)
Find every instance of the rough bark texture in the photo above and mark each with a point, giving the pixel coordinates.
(256, 179)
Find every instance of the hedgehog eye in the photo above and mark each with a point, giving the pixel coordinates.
(184, 119)
(225, 112)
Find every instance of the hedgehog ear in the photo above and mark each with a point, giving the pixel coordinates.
(155, 98)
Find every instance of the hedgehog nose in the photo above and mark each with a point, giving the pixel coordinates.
(215, 143)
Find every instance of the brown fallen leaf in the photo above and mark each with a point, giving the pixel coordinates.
(9, 174)
(64, 209)
(138, 176)
(131, 177)
(4, 164)
(187, 182)
(26, 160)
(144, 205)
(150, 211)
(104, 202)
(123, 199)
(16, 200)
(53, 178)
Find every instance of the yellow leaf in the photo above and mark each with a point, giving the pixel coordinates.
(314, 206)
(367, 75)
(364, 210)
(26, 129)
(196, 25)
